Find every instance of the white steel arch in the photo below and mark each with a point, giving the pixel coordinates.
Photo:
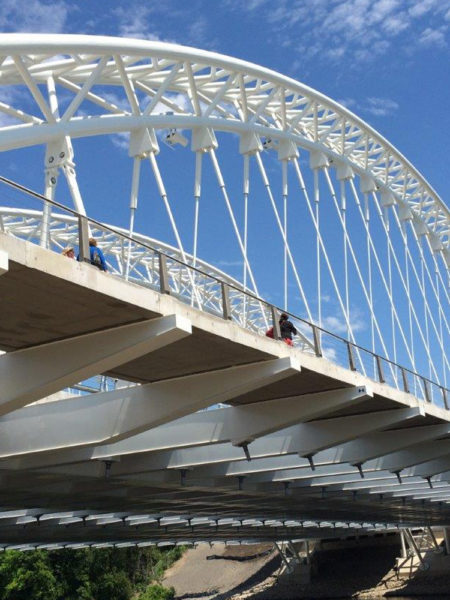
(162, 90)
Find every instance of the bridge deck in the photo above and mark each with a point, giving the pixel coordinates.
(46, 298)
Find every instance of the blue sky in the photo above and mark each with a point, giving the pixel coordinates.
(386, 60)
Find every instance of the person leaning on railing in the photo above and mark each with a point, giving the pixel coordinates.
(96, 255)
(287, 329)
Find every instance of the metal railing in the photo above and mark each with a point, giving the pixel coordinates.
(170, 275)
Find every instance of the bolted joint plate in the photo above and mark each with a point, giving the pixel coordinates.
(58, 153)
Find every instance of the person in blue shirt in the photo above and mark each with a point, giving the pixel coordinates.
(96, 255)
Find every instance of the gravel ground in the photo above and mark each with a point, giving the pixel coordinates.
(356, 573)
(221, 573)
(206, 572)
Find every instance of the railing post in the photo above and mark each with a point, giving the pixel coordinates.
(83, 239)
(426, 390)
(405, 380)
(226, 301)
(381, 378)
(164, 286)
(275, 323)
(351, 357)
(317, 347)
(444, 397)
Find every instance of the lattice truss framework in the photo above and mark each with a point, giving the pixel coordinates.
(161, 87)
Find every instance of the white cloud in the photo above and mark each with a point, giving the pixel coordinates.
(198, 32)
(133, 22)
(329, 353)
(380, 107)
(381, 9)
(421, 7)
(121, 140)
(358, 31)
(396, 24)
(433, 37)
(34, 16)
(137, 21)
(334, 324)
(347, 102)
(338, 325)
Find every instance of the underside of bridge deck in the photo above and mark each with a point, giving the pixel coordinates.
(300, 447)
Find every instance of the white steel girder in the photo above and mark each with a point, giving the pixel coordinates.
(34, 373)
(411, 457)
(215, 465)
(159, 447)
(275, 468)
(297, 471)
(408, 486)
(115, 415)
(330, 476)
(379, 444)
(433, 467)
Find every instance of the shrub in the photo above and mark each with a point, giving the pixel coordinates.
(157, 592)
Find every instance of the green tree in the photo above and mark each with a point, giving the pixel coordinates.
(87, 574)
(72, 569)
(26, 575)
(113, 585)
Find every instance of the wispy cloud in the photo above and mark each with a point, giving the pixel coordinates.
(356, 30)
(337, 324)
(34, 16)
(121, 140)
(378, 107)
(433, 37)
(136, 21)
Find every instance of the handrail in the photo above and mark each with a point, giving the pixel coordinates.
(317, 331)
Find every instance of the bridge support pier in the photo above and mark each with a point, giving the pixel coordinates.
(294, 563)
